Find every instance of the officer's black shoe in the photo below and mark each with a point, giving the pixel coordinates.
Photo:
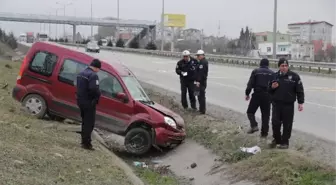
(202, 112)
(253, 130)
(87, 146)
(273, 144)
(263, 136)
(283, 146)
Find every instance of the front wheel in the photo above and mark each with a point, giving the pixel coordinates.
(138, 141)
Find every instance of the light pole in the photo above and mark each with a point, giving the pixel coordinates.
(275, 28)
(91, 21)
(64, 6)
(162, 25)
(118, 20)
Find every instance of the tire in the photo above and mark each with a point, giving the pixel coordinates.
(146, 141)
(35, 105)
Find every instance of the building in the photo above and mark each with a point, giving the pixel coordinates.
(191, 34)
(266, 37)
(283, 49)
(307, 32)
(265, 44)
(302, 51)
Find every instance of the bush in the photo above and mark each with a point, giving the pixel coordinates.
(61, 40)
(9, 40)
(100, 42)
(151, 46)
(56, 40)
(120, 43)
(66, 40)
(134, 44)
(110, 44)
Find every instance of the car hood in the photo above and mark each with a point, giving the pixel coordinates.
(167, 112)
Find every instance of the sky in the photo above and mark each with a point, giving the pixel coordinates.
(231, 15)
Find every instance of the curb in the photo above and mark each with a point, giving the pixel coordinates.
(135, 180)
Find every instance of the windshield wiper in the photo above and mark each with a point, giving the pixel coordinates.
(146, 101)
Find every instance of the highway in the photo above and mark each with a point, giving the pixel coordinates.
(226, 87)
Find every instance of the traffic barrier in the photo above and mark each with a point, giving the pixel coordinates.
(304, 66)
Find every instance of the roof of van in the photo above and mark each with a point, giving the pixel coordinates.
(58, 49)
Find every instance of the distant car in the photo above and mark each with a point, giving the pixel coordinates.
(46, 85)
(92, 47)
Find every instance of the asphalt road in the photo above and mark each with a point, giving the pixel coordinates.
(226, 87)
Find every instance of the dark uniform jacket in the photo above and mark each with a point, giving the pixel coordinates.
(88, 92)
(202, 69)
(290, 88)
(189, 67)
(259, 80)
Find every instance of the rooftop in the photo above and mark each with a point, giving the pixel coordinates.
(309, 22)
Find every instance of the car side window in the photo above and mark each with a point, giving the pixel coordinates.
(43, 63)
(109, 85)
(69, 71)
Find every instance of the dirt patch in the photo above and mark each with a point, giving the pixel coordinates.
(224, 134)
(43, 152)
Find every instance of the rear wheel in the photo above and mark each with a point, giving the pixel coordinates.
(138, 141)
(35, 105)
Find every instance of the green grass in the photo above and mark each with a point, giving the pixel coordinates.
(151, 177)
(37, 152)
(276, 167)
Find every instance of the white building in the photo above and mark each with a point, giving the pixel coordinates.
(191, 34)
(306, 32)
(301, 51)
(282, 49)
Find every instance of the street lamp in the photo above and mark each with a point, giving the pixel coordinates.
(275, 28)
(64, 6)
(91, 21)
(118, 20)
(162, 25)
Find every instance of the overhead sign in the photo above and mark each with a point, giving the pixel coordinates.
(175, 20)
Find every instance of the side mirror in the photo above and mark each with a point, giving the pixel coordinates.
(122, 96)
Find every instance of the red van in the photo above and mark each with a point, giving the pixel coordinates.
(46, 86)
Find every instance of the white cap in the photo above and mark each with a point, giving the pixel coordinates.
(200, 52)
(185, 53)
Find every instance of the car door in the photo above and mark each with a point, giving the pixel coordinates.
(64, 99)
(112, 114)
(38, 78)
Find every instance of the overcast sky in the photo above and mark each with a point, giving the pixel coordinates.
(206, 14)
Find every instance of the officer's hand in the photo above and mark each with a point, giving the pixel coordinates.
(275, 85)
(300, 108)
(247, 98)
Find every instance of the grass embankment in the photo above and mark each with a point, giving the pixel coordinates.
(275, 167)
(41, 152)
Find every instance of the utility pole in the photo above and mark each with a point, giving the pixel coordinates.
(275, 28)
(118, 21)
(91, 21)
(162, 26)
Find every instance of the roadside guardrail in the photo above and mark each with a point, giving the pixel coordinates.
(304, 66)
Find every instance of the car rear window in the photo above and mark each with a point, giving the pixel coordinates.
(43, 63)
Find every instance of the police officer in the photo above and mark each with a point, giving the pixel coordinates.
(259, 81)
(185, 68)
(88, 94)
(285, 88)
(201, 79)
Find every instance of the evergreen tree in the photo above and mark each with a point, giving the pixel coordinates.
(120, 43)
(110, 44)
(100, 42)
(134, 44)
